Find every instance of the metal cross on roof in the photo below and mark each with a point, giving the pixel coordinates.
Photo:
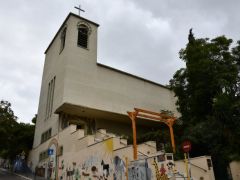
(79, 9)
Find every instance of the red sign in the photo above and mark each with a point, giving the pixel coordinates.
(186, 146)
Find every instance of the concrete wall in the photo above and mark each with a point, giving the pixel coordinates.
(88, 84)
(199, 168)
(235, 170)
(93, 156)
(56, 64)
(105, 89)
(81, 81)
(106, 155)
(53, 66)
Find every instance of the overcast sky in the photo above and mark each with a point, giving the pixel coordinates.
(142, 37)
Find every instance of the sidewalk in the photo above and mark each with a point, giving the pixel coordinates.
(31, 177)
(24, 176)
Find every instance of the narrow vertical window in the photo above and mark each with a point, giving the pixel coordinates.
(83, 35)
(50, 96)
(50, 99)
(63, 38)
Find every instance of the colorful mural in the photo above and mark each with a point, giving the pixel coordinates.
(119, 168)
(96, 166)
(98, 162)
(139, 170)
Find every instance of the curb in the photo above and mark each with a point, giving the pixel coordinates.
(6, 170)
(22, 176)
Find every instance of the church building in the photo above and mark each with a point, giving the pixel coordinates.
(82, 121)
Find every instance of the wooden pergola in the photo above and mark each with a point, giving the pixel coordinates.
(150, 116)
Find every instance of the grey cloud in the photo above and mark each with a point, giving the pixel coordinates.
(141, 37)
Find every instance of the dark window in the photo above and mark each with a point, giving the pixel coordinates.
(80, 126)
(83, 36)
(161, 158)
(43, 155)
(63, 120)
(169, 157)
(209, 163)
(49, 133)
(50, 95)
(46, 135)
(60, 151)
(42, 140)
(63, 38)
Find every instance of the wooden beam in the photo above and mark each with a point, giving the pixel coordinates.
(133, 116)
(154, 116)
(163, 115)
(172, 139)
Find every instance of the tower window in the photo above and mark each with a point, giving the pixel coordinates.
(50, 95)
(83, 32)
(63, 38)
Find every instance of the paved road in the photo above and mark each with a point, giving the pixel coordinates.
(5, 175)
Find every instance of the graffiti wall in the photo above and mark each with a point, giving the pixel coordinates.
(151, 169)
(139, 170)
(98, 162)
(94, 162)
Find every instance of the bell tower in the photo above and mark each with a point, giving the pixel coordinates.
(69, 57)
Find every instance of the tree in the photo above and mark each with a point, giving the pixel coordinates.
(34, 119)
(14, 137)
(6, 113)
(7, 124)
(209, 98)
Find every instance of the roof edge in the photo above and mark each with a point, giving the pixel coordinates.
(132, 75)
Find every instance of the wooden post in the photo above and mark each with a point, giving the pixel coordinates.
(149, 115)
(132, 116)
(172, 137)
(134, 138)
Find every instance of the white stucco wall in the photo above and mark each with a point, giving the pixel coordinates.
(81, 81)
(235, 170)
(199, 168)
(91, 85)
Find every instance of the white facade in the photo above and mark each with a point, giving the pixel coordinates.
(235, 170)
(83, 112)
(200, 168)
(87, 89)
(102, 155)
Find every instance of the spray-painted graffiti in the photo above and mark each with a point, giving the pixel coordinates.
(70, 173)
(116, 169)
(119, 168)
(100, 163)
(77, 175)
(158, 176)
(90, 169)
(139, 171)
(160, 173)
(162, 170)
(90, 161)
(105, 168)
(171, 169)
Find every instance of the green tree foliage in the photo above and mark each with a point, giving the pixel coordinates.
(208, 92)
(34, 119)
(14, 137)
